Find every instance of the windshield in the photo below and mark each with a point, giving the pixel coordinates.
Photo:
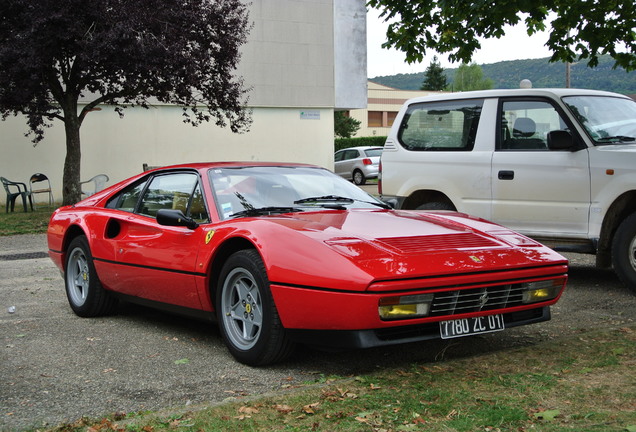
(251, 191)
(606, 119)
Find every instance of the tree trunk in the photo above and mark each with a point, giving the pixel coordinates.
(71, 192)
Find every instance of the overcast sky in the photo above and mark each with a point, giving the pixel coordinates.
(515, 45)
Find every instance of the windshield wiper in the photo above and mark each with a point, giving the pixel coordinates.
(616, 138)
(264, 211)
(338, 199)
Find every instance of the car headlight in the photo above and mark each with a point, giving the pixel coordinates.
(540, 291)
(401, 307)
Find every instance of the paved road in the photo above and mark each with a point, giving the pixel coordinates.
(56, 367)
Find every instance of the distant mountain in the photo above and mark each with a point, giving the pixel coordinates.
(542, 73)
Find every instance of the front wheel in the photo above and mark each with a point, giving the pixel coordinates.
(85, 293)
(624, 252)
(247, 315)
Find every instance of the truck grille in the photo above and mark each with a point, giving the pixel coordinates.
(476, 299)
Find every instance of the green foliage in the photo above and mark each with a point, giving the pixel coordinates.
(342, 143)
(541, 72)
(434, 77)
(344, 126)
(470, 77)
(579, 31)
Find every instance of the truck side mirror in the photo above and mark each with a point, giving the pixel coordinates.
(560, 140)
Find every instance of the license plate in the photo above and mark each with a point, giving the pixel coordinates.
(471, 326)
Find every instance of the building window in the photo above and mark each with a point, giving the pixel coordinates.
(375, 118)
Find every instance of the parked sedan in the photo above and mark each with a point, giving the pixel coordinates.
(288, 254)
(358, 163)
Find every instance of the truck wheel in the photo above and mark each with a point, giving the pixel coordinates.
(624, 252)
(435, 205)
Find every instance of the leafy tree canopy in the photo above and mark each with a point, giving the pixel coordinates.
(581, 30)
(344, 126)
(470, 77)
(184, 52)
(434, 77)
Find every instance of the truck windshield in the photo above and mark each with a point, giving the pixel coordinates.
(607, 120)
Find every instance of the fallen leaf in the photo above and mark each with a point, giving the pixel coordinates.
(284, 409)
(182, 361)
(248, 410)
(310, 409)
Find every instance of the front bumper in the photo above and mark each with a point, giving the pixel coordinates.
(353, 339)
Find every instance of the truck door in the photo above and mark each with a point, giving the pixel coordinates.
(537, 191)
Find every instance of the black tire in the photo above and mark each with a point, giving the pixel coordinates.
(624, 252)
(435, 205)
(247, 315)
(359, 178)
(85, 293)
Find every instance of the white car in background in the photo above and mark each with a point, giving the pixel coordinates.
(358, 163)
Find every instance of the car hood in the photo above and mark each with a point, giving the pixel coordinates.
(385, 245)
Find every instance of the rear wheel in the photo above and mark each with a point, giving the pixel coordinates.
(247, 315)
(624, 252)
(435, 205)
(359, 178)
(85, 293)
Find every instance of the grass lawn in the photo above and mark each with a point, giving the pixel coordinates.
(19, 222)
(576, 383)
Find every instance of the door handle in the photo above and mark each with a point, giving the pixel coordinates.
(506, 175)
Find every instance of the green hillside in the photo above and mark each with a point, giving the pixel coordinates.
(541, 72)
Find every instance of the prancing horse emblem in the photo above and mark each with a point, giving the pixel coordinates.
(483, 299)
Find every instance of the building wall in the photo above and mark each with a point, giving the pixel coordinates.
(290, 63)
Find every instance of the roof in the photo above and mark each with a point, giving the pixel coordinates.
(547, 92)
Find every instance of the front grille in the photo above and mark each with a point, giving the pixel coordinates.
(476, 299)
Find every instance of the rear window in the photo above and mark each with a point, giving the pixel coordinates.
(373, 152)
(441, 126)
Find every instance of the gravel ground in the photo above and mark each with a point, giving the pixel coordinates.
(56, 367)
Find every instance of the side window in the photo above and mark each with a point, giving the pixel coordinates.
(170, 191)
(197, 209)
(339, 155)
(525, 125)
(351, 154)
(441, 126)
(127, 199)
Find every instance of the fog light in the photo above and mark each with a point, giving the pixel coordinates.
(403, 307)
(541, 291)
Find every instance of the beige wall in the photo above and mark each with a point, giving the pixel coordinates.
(290, 64)
(157, 136)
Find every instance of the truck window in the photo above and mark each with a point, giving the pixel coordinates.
(440, 126)
(525, 125)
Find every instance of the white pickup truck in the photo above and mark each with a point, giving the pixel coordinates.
(558, 165)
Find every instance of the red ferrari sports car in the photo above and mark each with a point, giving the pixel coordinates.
(287, 254)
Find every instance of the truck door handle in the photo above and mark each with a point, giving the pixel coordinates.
(506, 175)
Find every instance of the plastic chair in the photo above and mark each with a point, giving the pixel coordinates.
(40, 180)
(99, 182)
(14, 190)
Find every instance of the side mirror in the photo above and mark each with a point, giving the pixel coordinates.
(175, 218)
(560, 140)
